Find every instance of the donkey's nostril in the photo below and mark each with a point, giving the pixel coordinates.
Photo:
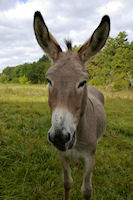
(61, 138)
(67, 137)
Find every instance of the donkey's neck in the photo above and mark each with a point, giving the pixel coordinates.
(86, 126)
(84, 103)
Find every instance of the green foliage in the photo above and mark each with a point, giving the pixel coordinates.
(122, 84)
(32, 72)
(23, 79)
(3, 78)
(29, 165)
(15, 80)
(76, 48)
(114, 64)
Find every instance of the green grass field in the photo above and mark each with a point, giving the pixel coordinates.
(29, 166)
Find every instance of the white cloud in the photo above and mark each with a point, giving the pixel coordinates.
(65, 19)
(6, 4)
(111, 7)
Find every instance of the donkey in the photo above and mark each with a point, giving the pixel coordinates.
(77, 111)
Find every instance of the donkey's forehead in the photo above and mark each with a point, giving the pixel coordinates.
(67, 64)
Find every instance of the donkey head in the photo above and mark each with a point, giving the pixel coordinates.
(67, 80)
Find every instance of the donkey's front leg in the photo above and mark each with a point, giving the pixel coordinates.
(67, 179)
(86, 185)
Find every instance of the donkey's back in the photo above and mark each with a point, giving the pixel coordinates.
(92, 91)
(97, 99)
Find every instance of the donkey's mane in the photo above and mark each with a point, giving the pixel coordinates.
(68, 44)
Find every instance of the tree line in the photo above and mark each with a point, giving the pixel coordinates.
(26, 73)
(112, 67)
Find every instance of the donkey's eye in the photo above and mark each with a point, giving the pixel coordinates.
(82, 84)
(49, 82)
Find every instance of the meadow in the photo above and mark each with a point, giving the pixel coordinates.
(29, 165)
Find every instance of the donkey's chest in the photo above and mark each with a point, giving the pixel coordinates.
(76, 155)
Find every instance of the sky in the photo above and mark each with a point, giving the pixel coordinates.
(66, 19)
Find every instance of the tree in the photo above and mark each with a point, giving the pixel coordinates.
(113, 63)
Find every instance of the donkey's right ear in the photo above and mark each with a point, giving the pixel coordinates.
(45, 38)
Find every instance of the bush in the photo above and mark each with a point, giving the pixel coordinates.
(3, 78)
(15, 80)
(23, 79)
(97, 81)
(123, 84)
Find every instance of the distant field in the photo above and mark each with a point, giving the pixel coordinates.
(29, 166)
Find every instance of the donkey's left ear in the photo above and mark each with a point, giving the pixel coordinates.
(97, 40)
(45, 38)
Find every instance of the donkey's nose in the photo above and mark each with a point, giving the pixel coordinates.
(61, 137)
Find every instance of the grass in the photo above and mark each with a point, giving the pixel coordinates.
(29, 166)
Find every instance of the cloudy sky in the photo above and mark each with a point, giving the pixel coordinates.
(75, 19)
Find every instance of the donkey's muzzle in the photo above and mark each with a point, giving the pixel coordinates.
(59, 139)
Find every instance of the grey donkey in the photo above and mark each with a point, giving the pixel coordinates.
(78, 119)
